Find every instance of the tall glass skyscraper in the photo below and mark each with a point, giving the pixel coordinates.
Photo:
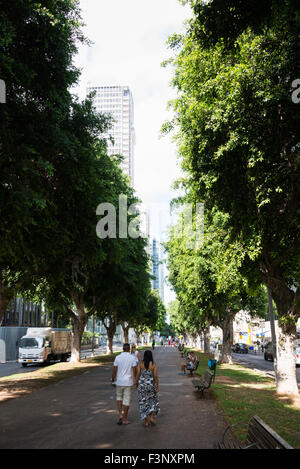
(157, 269)
(117, 101)
(161, 280)
(155, 265)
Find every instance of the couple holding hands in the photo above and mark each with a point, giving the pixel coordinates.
(129, 370)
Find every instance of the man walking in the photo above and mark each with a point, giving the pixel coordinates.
(123, 377)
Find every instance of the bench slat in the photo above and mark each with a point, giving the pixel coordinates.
(203, 383)
(260, 436)
(264, 435)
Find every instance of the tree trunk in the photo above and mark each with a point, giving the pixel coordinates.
(194, 340)
(109, 346)
(190, 340)
(111, 330)
(79, 323)
(138, 333)
(206, 340)
(288, 308)
(285, 362)
(4, 302)
(198, 341)
(272, 322)
(78, 329)
(125, 331)
(227, 328)
(6, 295)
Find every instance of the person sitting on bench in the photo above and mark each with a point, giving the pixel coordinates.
(190, 363)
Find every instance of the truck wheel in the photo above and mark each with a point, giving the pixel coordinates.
(24, 364)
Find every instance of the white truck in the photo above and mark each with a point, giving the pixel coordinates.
(43, 344)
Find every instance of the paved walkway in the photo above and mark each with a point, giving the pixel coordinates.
(80, 412)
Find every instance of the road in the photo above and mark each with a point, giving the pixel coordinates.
(250, 360)
(257, 361)
(12, 368)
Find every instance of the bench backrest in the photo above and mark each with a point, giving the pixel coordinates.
(264, 437)
(208, 378)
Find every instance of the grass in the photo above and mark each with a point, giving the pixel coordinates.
(242, 393)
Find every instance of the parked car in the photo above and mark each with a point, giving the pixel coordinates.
(268, 355)
(240, 348)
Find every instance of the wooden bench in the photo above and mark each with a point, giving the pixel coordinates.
(260, 436)
(194, 369)
(204, 383)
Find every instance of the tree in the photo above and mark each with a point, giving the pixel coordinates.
(135, 286)
(89, 279)
(124, 286)
(153, 316)
(167, 330)
(156, 312)
(36, 48)
(239, 145)
(208, 283)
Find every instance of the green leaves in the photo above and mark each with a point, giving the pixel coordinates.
(237, 126)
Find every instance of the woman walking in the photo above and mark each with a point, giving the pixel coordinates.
(148, 386)
(136, 354)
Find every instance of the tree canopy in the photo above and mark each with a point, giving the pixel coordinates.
(238, 140)
(55, 171)
(208, 282)
(36, 49)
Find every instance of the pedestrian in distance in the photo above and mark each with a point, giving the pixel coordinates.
(153, 344)
(148, 386)
(123, 377)
(136, 354)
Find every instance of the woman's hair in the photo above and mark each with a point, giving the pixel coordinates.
(148, 357)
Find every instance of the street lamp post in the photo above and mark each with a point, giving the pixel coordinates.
(93, 329)
(93, 332)
(272, 323)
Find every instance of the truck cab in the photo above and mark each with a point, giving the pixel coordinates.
(32, 349)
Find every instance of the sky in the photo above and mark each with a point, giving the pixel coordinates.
(128, 46)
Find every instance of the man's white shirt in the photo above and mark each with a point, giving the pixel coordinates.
(125, 362)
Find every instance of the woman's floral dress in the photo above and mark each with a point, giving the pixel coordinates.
(148, 398)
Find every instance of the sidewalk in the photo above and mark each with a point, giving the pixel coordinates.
(80, 412)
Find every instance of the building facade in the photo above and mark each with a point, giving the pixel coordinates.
(117, 101)
(23, 313)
